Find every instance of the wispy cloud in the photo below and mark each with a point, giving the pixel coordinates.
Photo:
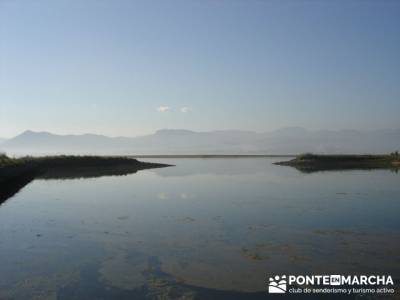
(162, 196)
(163, 108)
(185, 109)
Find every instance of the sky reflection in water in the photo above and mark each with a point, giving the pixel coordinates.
(217, 224)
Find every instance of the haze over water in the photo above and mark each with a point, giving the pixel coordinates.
(202, 228)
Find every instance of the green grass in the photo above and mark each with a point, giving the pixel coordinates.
(6, 161)
(65, 160)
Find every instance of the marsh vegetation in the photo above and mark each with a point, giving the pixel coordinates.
(313, 162)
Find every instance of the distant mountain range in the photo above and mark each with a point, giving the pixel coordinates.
(292, 140)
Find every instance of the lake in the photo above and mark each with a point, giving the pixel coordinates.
(212, 228)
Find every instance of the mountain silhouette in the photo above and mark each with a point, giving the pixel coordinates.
(291, 140)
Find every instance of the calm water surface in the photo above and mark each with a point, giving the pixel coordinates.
(207, 228)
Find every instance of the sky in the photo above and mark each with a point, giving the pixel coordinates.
(127, 68)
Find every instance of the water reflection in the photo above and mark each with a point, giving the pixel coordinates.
(213, 234)
(12, 185)
(8, 188)
(216, 166)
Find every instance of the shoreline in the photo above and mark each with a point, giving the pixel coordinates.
(308, 163)
(15, 173)
(212, 156)
(42, 166)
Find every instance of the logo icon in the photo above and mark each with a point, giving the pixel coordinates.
(335, 280)
(277, 284)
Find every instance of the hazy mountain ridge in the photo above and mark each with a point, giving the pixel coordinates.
(292, 140)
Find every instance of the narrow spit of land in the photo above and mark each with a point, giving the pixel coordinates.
(15, 173)
(70, 166)
(312, 162)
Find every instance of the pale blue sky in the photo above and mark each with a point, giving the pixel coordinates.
(108, 66)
